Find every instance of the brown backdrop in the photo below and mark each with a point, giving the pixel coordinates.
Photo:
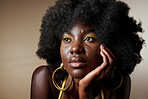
(19, 34)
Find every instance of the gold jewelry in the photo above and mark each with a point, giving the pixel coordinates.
(120, 81)
(55, 83)
(60, 94)
(102, 94)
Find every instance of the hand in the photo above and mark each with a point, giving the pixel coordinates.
(101, 74)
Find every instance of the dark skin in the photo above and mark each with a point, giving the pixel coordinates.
(90, 64)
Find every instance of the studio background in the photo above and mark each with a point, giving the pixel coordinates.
(20, 22)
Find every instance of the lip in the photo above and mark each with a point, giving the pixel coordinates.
(77, 62)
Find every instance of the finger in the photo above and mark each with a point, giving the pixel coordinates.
(112, 62)
(102, 68)
(105, 59)
(91, 76)
(112, 68)
(97, 71)
(109, 55)
(109, 70)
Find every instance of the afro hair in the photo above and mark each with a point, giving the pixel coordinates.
(112, 24)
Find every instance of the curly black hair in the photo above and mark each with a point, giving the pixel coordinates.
(112, 24)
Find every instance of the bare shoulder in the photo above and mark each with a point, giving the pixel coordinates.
(41, 71)
(127, 80)
(126, 87)
(41, 75)
(41, 84)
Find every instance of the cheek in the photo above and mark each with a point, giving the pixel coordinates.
(93, 50)
(64, 52)
(94, 56)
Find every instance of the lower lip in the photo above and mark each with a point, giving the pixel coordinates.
(77, 64)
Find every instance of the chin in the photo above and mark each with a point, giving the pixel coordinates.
(78, 73)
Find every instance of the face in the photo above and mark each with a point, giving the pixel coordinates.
(80, 51)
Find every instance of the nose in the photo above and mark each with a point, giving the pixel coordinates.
(77, 48)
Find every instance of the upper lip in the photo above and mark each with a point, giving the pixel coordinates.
(77, 59)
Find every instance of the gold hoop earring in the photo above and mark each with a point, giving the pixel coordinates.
(121, 81)
(55, 83)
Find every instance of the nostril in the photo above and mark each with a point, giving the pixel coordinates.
(79, 51)
(71, 52)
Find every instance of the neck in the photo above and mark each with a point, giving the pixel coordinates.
(73, 89)
(76, 82)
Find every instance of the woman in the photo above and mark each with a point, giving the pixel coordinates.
(91, 47)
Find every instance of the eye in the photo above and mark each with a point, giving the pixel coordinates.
(90, 39)
(67, 40)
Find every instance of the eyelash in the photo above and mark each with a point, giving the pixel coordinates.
(67, 39)
(90, 39)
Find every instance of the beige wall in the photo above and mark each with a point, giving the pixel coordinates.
(19, 34)
(140, 75)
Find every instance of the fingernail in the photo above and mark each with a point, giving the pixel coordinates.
(102, 46)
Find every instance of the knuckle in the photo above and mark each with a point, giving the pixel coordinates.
(111, 61)
(106, 63)
(82, 84)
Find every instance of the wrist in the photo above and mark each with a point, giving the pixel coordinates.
(83, 94)
(84, 91)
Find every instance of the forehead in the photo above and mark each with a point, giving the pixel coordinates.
(80, 28)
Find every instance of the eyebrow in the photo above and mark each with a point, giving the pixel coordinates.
(88, 31)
